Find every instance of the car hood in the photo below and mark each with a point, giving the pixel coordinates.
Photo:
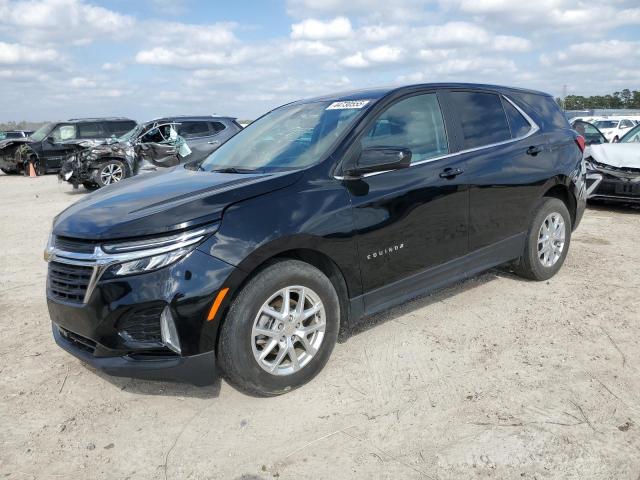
(619, 155)
(13, 141)
(161, 202)
(117, 148)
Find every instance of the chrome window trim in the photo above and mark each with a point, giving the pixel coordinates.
(534, 128)
(100, 260)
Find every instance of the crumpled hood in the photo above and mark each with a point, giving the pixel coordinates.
(160, 202)
(13, 141)
(619, 155)
(118, 148)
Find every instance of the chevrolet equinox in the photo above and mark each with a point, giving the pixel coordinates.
(319, 213)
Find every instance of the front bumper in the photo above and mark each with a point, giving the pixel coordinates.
(613, 185)
(196, 369)
(117, 326)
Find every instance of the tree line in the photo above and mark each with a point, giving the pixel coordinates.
(623, 99)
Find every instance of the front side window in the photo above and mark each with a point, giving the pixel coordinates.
(415, 123)
(63, 132)
(482, 118)
(290, 137)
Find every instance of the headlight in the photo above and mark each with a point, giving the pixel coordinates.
(148, 264)
(145, 255)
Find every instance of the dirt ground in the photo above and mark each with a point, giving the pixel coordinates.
(495, 377)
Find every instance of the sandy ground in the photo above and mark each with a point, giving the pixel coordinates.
(492, 378)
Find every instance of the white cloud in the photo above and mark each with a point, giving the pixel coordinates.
(384, 54)
(305, 47)
(356, 60)
(14, 53)
(112, 67)
(55, 21)
(510, 43)
(312, 29)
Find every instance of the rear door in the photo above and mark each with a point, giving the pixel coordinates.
(415, 218)
(200, 137)
(506, 163)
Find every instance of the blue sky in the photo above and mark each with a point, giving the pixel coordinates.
(146, 58)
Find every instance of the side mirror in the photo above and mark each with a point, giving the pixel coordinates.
(50, 139)
(379, 159)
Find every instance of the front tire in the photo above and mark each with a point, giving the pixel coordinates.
(547, 241)
(110, 172)
(9, 172)
(280, 329)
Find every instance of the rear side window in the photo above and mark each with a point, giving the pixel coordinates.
(90, 130)
(193, 129)
(415, 123)
(217, 126)
(482, 118)
(518, 124)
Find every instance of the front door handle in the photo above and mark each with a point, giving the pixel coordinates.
(450, 173)
(534, 150)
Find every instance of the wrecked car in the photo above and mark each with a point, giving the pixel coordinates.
(160, 143)
(48, 146)
(613, 170)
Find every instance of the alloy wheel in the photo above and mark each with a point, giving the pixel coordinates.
(111, 173)
(551, 239)
(288, 330)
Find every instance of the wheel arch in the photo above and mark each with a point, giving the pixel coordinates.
(313, 257)
(564, 194)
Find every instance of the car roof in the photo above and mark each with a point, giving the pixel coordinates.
(378, 93)
(193, 118)
(100, 119)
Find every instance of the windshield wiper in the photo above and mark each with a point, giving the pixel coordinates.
(235, 170)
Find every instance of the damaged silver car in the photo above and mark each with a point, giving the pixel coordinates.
(160, 143)
(613, 169)
(47, 147)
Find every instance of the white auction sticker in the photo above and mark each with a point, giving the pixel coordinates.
(347, 104)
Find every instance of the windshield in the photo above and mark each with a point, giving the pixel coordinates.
(290, 137)
(129, 135)
(606, 123)
(632, 136)
(42, 132)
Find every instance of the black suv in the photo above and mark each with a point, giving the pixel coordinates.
(159, 143)
(317, 214)
(48, 146)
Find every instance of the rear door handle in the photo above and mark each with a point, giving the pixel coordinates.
(214, 142)
(450, 173)
(534, 150)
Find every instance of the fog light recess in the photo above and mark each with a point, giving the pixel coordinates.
(169, 331)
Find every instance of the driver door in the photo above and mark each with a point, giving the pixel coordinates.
(54, 148)
(412, 220)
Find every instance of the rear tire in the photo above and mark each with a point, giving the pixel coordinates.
(263, 364)
(547, 241)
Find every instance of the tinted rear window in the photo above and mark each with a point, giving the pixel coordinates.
(90, 130)
(519, 125)
(193, 129)
(482, 118)
(216, 126)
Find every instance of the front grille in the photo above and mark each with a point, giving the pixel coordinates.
(142, 326)
(73, 245)
(79, 341)
(68, 282)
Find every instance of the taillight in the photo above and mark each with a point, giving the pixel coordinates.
(581, 143)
